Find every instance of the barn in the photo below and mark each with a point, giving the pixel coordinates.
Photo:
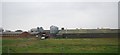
(11, 34)
(87, 33)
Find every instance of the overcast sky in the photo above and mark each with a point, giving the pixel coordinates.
(27, 15)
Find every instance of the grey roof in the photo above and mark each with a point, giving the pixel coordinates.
(17, 32)
(11, 32)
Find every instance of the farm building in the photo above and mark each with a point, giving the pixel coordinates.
(38, 29)
(0, 34)
(65, 33)
(53, 31)
(18, 34)
(8, 34)
(82, 33)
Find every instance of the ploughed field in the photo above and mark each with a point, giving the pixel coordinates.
(81, 45)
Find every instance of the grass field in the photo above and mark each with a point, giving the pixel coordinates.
(81, 45)
(0, 45)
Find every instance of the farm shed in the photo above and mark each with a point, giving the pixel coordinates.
(11, 34)
(87, 33)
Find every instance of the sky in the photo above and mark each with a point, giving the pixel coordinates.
(27, 15)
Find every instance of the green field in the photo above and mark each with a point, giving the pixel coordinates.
(81, 45)
(0, 45)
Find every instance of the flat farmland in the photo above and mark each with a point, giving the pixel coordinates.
(80, 45)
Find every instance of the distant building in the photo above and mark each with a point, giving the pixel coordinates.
(53, 30)
(18, 31)
(11, 34)
(62, 28)
(1, 29)
(33, 30)
(38, 29)
(7, 30)
(88, 33)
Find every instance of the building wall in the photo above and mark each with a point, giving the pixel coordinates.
(88, 35)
